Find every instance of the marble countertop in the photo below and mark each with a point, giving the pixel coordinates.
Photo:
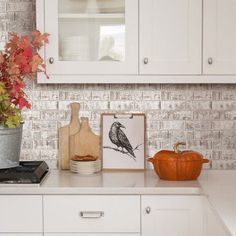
(218, 186)
(106, 182)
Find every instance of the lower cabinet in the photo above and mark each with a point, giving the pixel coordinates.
(21, 214)
(109, 215)
(22, 234)
(79, 234)
(213, 224)
(92, 214)
(172, 215)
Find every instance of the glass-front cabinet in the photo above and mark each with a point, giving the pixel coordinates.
(91, 37)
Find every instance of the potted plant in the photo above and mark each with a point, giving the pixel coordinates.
(19, 61)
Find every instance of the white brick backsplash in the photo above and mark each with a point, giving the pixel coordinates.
(30, 154)
(173, 105)
(206, 135)
(2, 7)
(44, 105)
(202, 95)
(44, 125)
(224, 105)
(96, 105)
(50, 95)
(49, 115)
(181, 135)
(148, 105)
(49, 154)
(31, 115)
(198, 125)
(169, 125)
(176, 95)
(222, 125)
(228, 115)
(199, 144)
(121, 95)
(203, 115)
(100, 95)
(206, 115)
(175, 115)
(151, 95)
(45, 144)
(122, 105)
(198, 105)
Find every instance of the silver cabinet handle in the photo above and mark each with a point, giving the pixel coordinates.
(91, 214)
(210, 60)
(145, 60)
(148, 210)
(51, 60)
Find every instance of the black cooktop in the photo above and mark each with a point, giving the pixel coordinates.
(27, 172)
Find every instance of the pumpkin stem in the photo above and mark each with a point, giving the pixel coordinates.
(176, 146)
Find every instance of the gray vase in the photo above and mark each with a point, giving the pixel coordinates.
(10, 145)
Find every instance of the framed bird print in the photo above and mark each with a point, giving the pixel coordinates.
(123, 141)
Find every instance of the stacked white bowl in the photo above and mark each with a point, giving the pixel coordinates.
(85, 167)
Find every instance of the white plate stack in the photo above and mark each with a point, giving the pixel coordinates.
(85, 167)
(75, 48)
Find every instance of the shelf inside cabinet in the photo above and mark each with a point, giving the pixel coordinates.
(92, 16)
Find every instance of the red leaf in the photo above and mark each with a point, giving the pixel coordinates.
(23, 103)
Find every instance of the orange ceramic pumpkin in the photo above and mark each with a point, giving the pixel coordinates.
(178, 165)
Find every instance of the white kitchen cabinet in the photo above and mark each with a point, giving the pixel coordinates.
(92, 214)
(172, 216)
(26, 234)
(213, 224)
(138, 41)
(170, 36)
(90, 37)
(79, 234)
(21, 214)
(219, 51)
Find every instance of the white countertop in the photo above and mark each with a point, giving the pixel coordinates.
(218, 186)
(220, 189)
(106, 182)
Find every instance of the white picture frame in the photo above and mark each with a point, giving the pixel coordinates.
(123, 141)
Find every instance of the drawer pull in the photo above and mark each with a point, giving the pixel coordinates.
(148, 210)
(91, 214)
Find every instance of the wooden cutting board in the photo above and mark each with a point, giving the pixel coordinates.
(64, 137)
(85, 142)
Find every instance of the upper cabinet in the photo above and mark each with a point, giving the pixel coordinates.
(139, 41)
(170, 36)
(91, 37)
(219, 51)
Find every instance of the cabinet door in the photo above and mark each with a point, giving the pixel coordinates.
(219, 37)
(213, 224)
(172, 216)
(22, 234)
(95, 234)
(92, 37)
(21, 214)
(170, 36)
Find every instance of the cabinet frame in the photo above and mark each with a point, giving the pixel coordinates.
(125, 78)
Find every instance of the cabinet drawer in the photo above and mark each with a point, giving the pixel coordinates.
(22, 234)
(90, 214)
(20, 214)
(86, 234)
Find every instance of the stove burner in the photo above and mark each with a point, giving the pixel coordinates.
(27, 172)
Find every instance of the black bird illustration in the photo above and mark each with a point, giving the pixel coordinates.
(118, 137)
